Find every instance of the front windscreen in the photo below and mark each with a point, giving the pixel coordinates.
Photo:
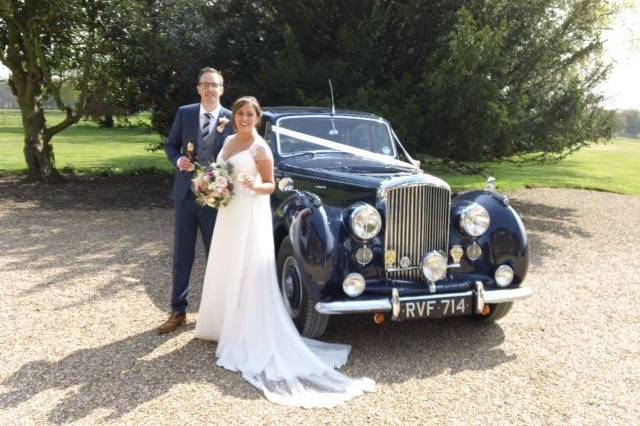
(368, 134)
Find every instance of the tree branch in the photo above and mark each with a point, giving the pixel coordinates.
(87, 67)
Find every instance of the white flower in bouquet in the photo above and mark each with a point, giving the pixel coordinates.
(212, 185)
(222, 182)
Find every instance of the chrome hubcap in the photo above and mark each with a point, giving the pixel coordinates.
(288, 287)
(291, 286)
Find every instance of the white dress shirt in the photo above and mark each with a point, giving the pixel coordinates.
(214, 118)
(203, 119)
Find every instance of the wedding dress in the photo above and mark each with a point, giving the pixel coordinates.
(242, 309)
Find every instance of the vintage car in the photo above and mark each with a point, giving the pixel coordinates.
(359, 230)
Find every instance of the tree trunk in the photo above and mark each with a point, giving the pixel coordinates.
(108, 121)
(29, 35)
(38, 150)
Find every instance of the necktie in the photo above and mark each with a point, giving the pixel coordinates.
(205, 127)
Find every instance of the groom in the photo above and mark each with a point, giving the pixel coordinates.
(198, 131)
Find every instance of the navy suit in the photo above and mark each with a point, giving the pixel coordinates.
(189, 216)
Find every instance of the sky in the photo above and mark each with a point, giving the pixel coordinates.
(622, 88)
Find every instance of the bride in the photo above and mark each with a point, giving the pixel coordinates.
(241, 307)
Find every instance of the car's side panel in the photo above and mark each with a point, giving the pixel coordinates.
(306, 221)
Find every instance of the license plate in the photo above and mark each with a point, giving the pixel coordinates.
(435, 307)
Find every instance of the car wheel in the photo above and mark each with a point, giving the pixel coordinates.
(498, 310)
(299, 302)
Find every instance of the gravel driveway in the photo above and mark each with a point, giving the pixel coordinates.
(85, 278)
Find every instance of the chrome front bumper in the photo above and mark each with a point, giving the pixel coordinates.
(392, 304)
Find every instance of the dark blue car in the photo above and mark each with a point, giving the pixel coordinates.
(359, 228)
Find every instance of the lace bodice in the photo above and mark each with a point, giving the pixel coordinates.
(259, 150)
(244, 162)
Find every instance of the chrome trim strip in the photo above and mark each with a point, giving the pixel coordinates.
(410, 268)
(436, 296)
(412, 180)
(353, 306)
(480, 299)
(386, 304)
(507, 295)
(395, 304)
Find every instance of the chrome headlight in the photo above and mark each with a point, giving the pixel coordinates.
(434, 266)
(475, 219)
(353, 284)
(504, 275)
(365, 221)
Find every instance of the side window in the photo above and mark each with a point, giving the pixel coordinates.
(382, 144)
(263, 128)
(267, 134)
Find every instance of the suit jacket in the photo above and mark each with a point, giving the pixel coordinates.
(185, 129)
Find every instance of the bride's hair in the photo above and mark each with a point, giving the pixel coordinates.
(240, 102)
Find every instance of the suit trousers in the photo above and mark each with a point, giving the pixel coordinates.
(189, 217)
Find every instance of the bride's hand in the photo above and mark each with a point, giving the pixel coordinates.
(248, 182)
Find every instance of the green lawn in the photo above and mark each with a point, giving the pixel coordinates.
(87, 148)
(613, 167)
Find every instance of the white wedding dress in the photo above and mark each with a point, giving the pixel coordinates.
(242, 309)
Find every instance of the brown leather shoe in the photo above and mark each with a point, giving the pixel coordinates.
(176, 319)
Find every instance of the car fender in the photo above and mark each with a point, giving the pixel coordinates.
(304, 219)
(505, 242)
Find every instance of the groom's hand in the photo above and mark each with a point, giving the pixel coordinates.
(184, 165)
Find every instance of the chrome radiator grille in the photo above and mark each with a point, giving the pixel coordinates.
(417, 222)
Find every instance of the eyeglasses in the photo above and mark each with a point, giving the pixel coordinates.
(210, 85)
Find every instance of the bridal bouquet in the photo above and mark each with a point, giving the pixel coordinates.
(213, 185)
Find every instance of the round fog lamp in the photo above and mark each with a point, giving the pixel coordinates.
(504, 275)
(474, 251)
(434, 266)
(353, 284)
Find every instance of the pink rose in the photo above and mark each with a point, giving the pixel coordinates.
(222, 182)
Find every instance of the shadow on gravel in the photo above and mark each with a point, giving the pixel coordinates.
(86, 193)
(401, 351)
(123, 375)
(62, 251)
(64, 235)
(540, 220)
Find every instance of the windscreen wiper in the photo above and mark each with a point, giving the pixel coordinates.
(300, 154)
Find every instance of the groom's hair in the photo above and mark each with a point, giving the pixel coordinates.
(209, 69)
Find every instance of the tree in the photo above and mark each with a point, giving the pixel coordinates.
(230, 35)
(112, 92)
(628, 123)
(519, 78)
(465, 80)
(45, 44)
